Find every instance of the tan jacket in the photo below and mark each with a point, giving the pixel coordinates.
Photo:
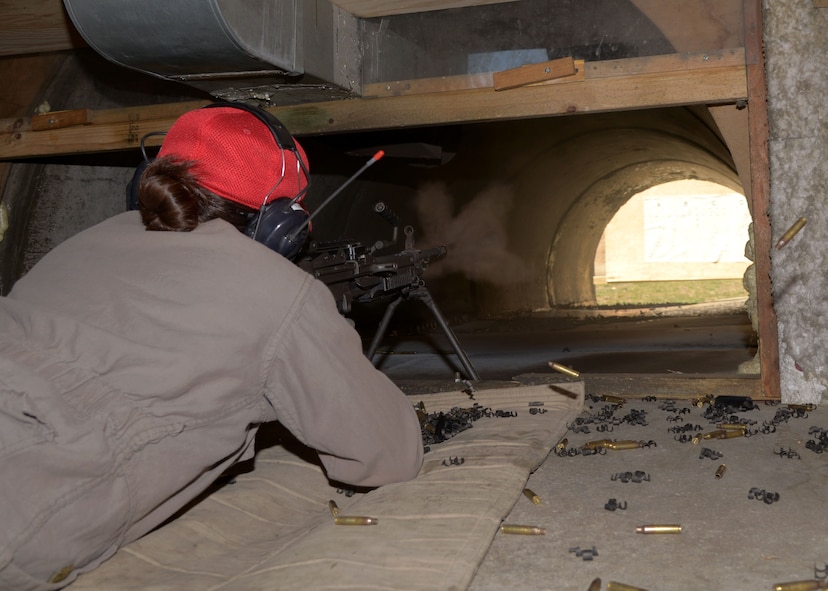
(136, 367)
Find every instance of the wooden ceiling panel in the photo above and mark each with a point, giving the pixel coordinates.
(374, 8)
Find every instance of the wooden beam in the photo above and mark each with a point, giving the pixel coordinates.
(36, 26)
(714, 86)
(99, 131)
(686, 387)
(636, 386)
(671, 62)
(121, 129)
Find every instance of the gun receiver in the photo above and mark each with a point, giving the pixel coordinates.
(355, 273)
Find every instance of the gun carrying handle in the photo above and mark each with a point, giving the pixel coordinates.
(389, 216)
(386, 213)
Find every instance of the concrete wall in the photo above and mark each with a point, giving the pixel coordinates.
(796, 54)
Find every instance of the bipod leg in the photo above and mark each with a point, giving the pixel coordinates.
(383, 326)
(423, 294)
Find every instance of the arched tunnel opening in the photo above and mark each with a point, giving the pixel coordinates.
(682, 242)
(521, 207)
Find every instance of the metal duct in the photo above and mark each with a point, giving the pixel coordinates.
(194, 39)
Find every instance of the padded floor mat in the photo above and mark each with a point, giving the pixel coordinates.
(272, 527)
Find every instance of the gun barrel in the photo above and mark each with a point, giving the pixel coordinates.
(433, 253)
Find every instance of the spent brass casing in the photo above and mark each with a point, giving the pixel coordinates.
(613, 399)
(805, 407)
(791, 232)
(703, 400)
(530, 494)
(562, 444)
(333, 507)
(627, 444)
(522, 530)
(597, 444)
(697, 438)
(807, 585)
(564, 369)
(658, 529)
(730, 434)
(717, 434)
(616, 586)
(355, 520)
(729, 426)
(721, 470)
(595, 585)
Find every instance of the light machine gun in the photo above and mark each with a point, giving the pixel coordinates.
(355, 273)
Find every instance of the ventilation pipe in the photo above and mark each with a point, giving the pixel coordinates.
(226, 47)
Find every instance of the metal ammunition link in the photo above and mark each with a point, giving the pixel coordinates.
(586, 553)
(613, 504)
(760, 494)
(789, 453)
(706, 452)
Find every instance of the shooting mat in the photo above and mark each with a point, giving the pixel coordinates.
(272, 528)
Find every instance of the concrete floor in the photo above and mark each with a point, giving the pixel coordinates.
(731, 539)
(706, 339)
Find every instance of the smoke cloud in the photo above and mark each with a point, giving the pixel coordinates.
(475, 238)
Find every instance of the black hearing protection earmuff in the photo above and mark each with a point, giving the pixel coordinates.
(277, 224)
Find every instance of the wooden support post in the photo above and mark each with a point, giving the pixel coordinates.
(760, 196)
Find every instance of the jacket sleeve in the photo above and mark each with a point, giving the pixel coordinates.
(329, 395)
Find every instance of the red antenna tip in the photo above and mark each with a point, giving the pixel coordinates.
(379, 155)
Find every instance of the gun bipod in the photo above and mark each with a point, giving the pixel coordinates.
(421, 293)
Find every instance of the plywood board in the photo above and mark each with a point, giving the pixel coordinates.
(693, 26)
(533, 73)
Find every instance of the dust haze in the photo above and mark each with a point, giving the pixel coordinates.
(475, 237)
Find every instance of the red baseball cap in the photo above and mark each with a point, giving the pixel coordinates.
(236, 156)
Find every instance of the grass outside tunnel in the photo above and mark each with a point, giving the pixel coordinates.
(668, 292)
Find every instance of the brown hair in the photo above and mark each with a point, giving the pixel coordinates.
(170, 199)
